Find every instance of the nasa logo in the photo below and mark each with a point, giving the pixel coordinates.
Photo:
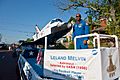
(94, 52)
(80, 25)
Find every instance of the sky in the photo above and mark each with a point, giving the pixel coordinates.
(19, 17)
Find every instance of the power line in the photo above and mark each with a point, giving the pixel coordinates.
(12, 23)
(11, 30)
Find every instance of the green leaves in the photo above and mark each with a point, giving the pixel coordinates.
(29, 40)
(109, 9)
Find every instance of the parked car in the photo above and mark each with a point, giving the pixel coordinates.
(3, 46)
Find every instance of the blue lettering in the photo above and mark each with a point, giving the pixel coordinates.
(76, 58)
(58, 57)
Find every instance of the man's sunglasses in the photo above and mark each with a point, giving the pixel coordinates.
(77, 16)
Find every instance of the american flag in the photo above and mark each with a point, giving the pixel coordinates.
(39, 57)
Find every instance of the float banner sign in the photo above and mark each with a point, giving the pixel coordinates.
(110, 63)
(73, 64)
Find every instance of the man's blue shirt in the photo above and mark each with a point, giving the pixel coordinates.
(80, 29)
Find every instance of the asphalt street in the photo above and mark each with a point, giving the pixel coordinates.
(7, 66)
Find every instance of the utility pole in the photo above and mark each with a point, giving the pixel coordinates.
(0, 37)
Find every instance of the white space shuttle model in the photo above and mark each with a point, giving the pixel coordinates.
(54, 30)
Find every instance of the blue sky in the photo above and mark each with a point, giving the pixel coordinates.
(19, 17)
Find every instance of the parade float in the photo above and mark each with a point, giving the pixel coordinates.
(48, 63)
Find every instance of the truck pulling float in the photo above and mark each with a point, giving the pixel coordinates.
(98, 63)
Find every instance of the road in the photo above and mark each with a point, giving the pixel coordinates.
(7, 66)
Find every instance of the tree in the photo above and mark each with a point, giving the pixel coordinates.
(71, 19)
(109, 9)
(21, 41)
(29, 40)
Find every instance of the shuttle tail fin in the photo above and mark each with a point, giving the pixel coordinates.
(37, 29)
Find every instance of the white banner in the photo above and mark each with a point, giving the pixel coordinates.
(73, 64)
(110, 63)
